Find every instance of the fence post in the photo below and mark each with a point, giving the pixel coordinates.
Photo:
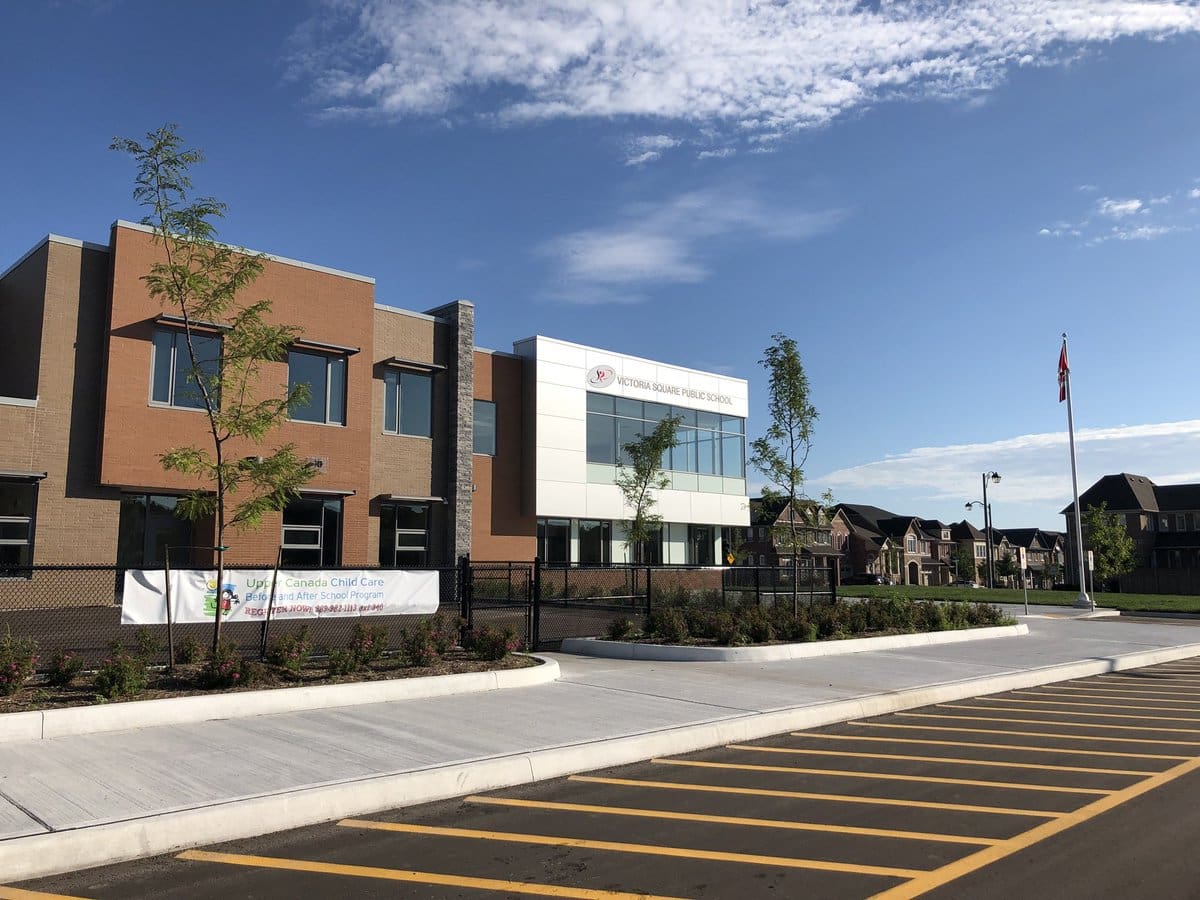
(758, 585)
(170, 623)
(266, 625)
(466, 589)
(649, 587)
(536, 637)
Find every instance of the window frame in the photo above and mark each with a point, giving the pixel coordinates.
(30, 523)
(173, 366)
(394, 546)
(475, 431)
(328, 358)
(393, 392)
(319, 546)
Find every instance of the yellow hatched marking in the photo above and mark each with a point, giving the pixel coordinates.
(988, 855)
(546, 840)
(1068, 751)
(1045, 734)
(1083, 695)
(885, 776)
(1181, 666)
(1072, 712)
(734, 820)
(1045, 767)
(1048, 722)
(1123, 689)
(808, 795)
(1166, 678)
(11, 893)
(413, 877)
(1089, 703)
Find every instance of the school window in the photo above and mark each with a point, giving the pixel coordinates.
(485, 428)
(700, 545)
(312, 532)
(404, 535)
(554, 541)
(18, 508)
(149, 528)
(408, 403)
(595, 542)
(173, 380)
(325, 376)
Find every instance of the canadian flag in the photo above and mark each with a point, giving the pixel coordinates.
(1063, 370)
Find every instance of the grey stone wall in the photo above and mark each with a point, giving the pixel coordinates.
(461, 375)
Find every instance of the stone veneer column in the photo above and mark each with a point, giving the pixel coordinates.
(461, 416)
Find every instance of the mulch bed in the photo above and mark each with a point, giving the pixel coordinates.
(38, 696)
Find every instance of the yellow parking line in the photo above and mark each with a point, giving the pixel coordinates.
(11, 893)
(1064, 750)
(1072, 712)
(808, 795)
(1045, 722)
(1046, 734)
(1091, 703)
(734, 820)
(1150, 679)
(546, 840)
(1176, 696)
(1090, 697)
(885, 776)
(975, 861)
(461, 881)
(1045, 767)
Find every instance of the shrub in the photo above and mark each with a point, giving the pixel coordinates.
(224, 668)
(492, 644)
(726, 630)
(190, 651)
(445, 630)
(342, 661)
(668, 624)
(292, 650)
(147, 644)
(64, 666)
(757, 625)
(620, 629)
(18, 659)
(419, 646)
(368, 642)
(121, 674)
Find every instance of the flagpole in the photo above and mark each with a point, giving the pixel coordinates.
(1082, 601)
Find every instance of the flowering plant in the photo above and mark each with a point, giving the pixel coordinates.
(64, 666)
(18, 659)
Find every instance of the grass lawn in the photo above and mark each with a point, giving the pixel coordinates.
(1132, 602)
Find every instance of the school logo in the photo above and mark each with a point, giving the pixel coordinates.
(601, 376)
(228, 598)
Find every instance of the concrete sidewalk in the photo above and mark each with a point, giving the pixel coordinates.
(73, 802)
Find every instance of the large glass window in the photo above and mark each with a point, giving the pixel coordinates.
(312, 532)
(408, 403)
(554, 541)
(595, 542)
(173, 381)
(325, 376)
(700, 545)
(650, 551)
(707, 443)
(149, 524)
(485, 428)
(404, 534)
(18, 507)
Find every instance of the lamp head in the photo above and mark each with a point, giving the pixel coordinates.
(995, 478)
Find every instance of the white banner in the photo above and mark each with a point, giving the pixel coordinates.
(245, 594)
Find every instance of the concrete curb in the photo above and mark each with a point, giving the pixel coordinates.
(776, 652)
(41, 855)
(51, 723)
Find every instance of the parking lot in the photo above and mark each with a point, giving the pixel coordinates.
(894, 806)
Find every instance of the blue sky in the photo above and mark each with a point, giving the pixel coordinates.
(923, 195)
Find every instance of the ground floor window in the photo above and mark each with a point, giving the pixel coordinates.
(595, 542)
(148, 525)
(554, 541)
(650, 551)
(404, 535)
(700, 545)
(312, 532)
(18, 506)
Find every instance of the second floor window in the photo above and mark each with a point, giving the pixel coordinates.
(173, 381)
(912, 545)
(325, 376)
(485, 428)
(408, 403)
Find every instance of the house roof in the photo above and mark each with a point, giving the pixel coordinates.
(1024, 537)
(1178, 496)
(1121, 492)
(964, 530)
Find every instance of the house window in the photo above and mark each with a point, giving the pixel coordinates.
(408, 403)
(1164, 523)
(485, 428)
(404, 535)
(148, 525)
(700, 545)
(18, 508)
(554, 541)
(1150, 523)
(981, 551)
(173, 381)
(595, 542)
(325, 376)
(912, 544)
(1180, 522)
(312, 532)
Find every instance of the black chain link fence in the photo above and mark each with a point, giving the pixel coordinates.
(78, 608)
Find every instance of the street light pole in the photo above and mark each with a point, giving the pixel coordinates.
(987, 529)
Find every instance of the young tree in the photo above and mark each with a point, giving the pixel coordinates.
(204, 283)
(1113, 549)
(1006, 566)
(780, 454)
(965, 560)
(642, 475)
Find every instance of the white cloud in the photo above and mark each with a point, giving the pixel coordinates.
(744, 67)
(724, 152)
(663, 243)
(1118, 209)
(648, 148)
(1194, 193)
(1087, 188)
(1035, 468)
